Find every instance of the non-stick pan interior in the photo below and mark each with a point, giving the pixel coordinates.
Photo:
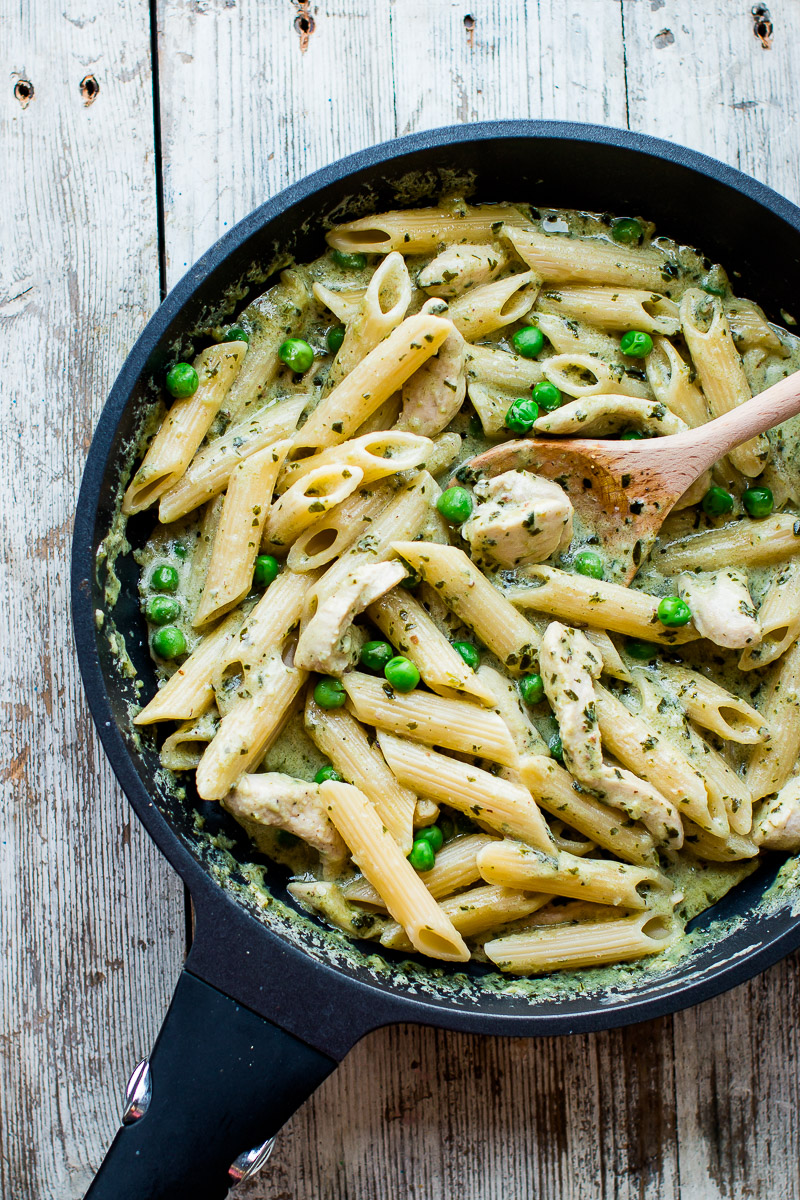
(754, 233)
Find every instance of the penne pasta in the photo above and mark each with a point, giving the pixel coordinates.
(456, 867)
(772, 762)
(423, 230)
(307, 500)
(558, 948)
(714, 707)
(614, 308)
(384, 864)
(475, 912)
(480, 312)
(778, 619)
(377, 455)
(382, 308)
(744, 542)
(560, 259)
(189, 692)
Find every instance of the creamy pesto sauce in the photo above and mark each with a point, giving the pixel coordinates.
(702, 884)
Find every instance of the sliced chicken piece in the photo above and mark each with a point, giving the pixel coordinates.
(434, 394)
(722, 607)
(520, 518)
(329, 642)
(777, 825)
(569, 665)
(283, 802)
(459, 268)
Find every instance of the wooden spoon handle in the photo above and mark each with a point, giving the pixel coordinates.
(769, 408)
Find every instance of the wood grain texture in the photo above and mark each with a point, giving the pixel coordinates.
(701, 1106)
(92, 919)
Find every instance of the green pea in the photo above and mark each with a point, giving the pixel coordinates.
(330, 693)
(334, 338)
(717, 502)
(180, 549)
(641, 650)
(673, 612)
(531, 688)
(327, 772)
(758, 501)
(164, 579)
(470, 654)
(297, 354)
(556, 748)
(162, 609)
(182, 381)
(401, 673)
(521, 415)
(431, 834)
(236, 333)
(375, 655)
(455, 505)
(627, 230)
(589, 563)
(422, 856)
(631, 435)
(547, 395)
(265, 571)
(168, 642)
(636, 344)
(528, 341)
(349, 262)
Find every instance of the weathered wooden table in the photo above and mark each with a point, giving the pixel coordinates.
(132, 137)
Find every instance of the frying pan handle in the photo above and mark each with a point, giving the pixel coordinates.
(222, 1080)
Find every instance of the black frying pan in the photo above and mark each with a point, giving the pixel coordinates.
(268, 1003)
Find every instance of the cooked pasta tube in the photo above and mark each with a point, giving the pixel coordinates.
(772, 762)
(443, 453)
(750, 327)
(563, 947)
(189, 692)
(409, 627)
(422, 717)
(526, 736)
(614, 308)
(184, 426)
(329, 537)
(499, 803)
(567, 839)
(384, 864)
(714, 707)
(267, 625)
(201, 557)
(731, 848)
(381, 310)
(402, 516)
(491, 403)
(377, 455)
(778, 619)
(557, 792)
(249, 729)
(577, 374)
(474, 912)
(656, 759)
(341, 738)
(612, 661)
(370, 383)
(238, 536)
(423, 230)
(456, 867)
(599, 415)
(459, 268)
(273, 317)
(570, 338)
(560, 259)
(468, 592)
(744, 542)
(343, 304)
(708, 336)
(183, 749)
(672, 381)
(210, 469)
(307, 500)
(483, 310)
(501, 369)
(581, 600)
(602, 881)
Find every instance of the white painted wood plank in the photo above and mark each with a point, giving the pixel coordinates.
(247, 111)
(92, 919)
(576, 69)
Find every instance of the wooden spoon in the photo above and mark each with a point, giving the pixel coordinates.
(624, 490)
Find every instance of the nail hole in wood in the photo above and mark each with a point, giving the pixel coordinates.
(304, 23)
(762, 25)
(89, 89)
(23, 90)
(665, 38)
(469, 26)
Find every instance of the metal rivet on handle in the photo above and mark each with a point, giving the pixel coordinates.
(250, 1161)
(138, 1093)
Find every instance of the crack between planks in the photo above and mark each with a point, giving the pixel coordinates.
(625, 63)
(394, 67)
(157, 150)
